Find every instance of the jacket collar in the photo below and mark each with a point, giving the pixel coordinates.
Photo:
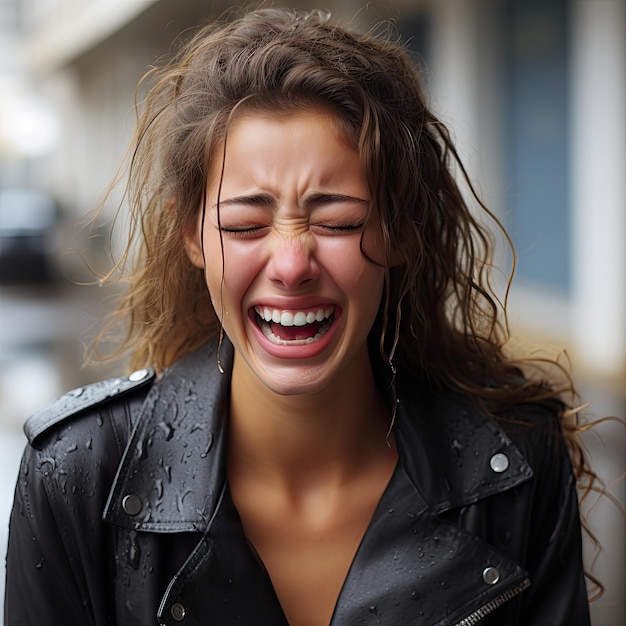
(453, 452)
(173, 469)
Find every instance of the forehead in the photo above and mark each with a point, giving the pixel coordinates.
(264, 135)
(280, 111)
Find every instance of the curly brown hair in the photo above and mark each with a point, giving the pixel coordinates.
(440, 318)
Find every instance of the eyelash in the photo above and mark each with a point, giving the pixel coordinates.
(340, 227)
(245, 231)
(241, 231)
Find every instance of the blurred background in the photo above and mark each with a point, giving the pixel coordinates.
(534, 91)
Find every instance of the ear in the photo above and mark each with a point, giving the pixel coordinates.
(193, 246)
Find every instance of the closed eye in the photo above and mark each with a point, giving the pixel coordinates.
(243, 231)
(340, 228)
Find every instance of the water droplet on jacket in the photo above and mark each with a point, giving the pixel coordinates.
(209, 443)
(168, 430)
(48, 466)
(133, 550)
(41, 562)
(159, 488)
(89, 443)
(141, 449)
(99, 421)
(373, 610)
(180, 499)
(168, 472)
(76, 393)
(72, 448)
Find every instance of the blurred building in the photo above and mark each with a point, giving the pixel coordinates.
(534, 91)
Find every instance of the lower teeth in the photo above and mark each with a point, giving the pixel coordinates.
(267, 331)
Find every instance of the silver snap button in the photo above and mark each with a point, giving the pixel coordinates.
(131, 504)
(178, 611)
(491, 575)
(135, 377)
(499, 462)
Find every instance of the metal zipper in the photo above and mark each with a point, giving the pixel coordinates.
(483, 611)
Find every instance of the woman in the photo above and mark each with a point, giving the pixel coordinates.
(323, 427)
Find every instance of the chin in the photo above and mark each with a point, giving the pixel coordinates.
(293, 384)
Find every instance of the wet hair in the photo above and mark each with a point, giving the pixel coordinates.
(439, 319)
(439, 316)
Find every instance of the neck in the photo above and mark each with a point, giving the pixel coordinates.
(315, 438)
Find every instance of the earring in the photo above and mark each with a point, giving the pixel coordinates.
(394, 401)
(392, 384)
(219, 349)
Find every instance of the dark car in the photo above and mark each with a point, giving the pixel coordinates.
(28, 218)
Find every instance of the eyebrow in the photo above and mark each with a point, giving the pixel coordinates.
(252, 200)
(266, 200)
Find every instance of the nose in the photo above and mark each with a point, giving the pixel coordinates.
(292, 263)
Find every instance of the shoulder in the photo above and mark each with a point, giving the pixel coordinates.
(536, 428)
(75, 444)
(82, 400)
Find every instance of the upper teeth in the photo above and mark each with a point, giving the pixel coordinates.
(289, 318)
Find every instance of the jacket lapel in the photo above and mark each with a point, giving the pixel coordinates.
(173, 468)
(454, 453)
(413, 568)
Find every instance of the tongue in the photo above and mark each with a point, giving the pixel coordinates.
(294, 333)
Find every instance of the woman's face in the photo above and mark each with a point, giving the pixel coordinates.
(297, 297)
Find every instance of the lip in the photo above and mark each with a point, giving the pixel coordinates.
(302, 351)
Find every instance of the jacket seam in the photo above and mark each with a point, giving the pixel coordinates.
(52, 495)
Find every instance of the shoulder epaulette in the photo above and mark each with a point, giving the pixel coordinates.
(82, 398)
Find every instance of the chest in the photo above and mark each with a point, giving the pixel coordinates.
(300, 558)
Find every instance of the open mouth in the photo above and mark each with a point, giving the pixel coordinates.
(294, 328)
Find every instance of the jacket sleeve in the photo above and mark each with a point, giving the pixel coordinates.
(61, 556)
(538, 525)
(43, 583)
(558, 593)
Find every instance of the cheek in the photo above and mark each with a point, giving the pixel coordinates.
(360, 279)
(239, 271)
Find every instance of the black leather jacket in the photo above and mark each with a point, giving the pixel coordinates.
(122, 512)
